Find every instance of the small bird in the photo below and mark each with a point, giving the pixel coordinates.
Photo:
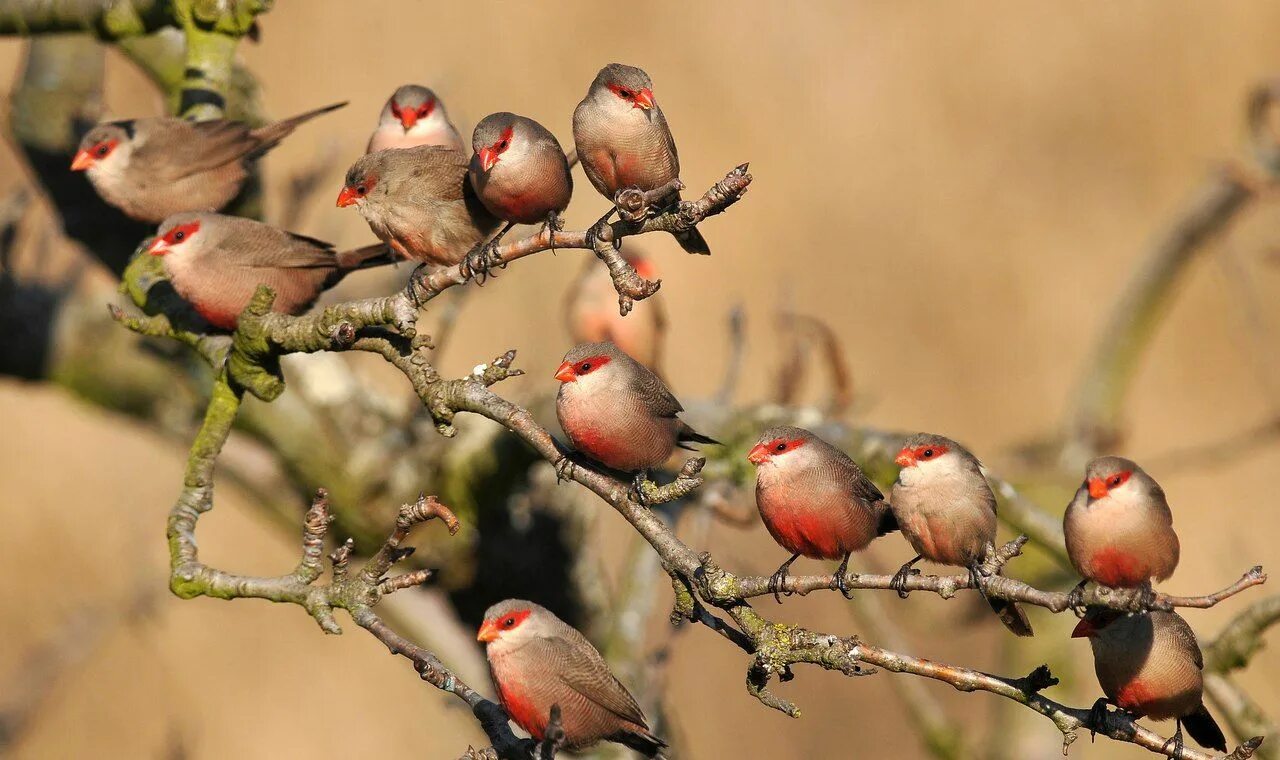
(623, 140)
(618, 412)
(217, 262)
(591, 312)
(815, 500)
(154, 168)
(1119, 529)
(947, 511)
(413, 116)
(420, 202)
(519, 171)
(537, 660)
(1149, 665)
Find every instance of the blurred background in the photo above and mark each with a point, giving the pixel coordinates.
(960, 193)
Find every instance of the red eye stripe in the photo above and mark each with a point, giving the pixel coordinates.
(928, 453)
(590, 364)
(181, 233)
(1118, 479)
(425, 109)
(625, 93)
(104, 148)
(514, 619)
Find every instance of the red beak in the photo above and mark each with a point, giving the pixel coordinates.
(158, 247)
(1084, 629)
(1097, 488)
(408, 118)
(82, 161)
(488, 157)
(347, 197)
(488, 631)
(758, 454)
(905, 458)
(565, 373)
(644, 99)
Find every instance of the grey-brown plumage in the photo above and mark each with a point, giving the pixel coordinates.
(217, 262)
(814, 500)
(537, 660)
(420, 202)
(618, 412)
(1150, 665)
(947, 512)
(623, 140)
(1119, 528)
(154, 168)
(413, 116)
(519, 170)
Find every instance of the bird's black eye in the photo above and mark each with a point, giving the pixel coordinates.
(928, 454)
(780, 447)
(624, 92)
(102, 150)
(179, 236)
(584, 367)
(508, 622)
(361, 189)
(502, 145)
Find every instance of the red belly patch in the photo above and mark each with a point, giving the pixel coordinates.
(219, 318)
(607, 449)
(1135, 696)
(811, 535)
(1117, 568)
(523, 711)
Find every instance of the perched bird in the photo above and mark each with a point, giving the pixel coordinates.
(945, 508)
(217, 262)
(154, 168)
(616, 411)
(1149, 665)
(537, 660)
(419, 201)
(1119, 529)
(591, 312)
(623, 140)
(519, 171)
(413, 116)
(815, 500)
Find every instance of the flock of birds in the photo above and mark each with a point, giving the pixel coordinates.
(428, 201)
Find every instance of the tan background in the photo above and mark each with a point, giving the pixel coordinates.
(960, 190)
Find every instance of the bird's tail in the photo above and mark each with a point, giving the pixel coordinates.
(641, 740)
(376, 255)
(888, 523)
(692, 241)
(1204, 729)
(270, 134)
(687, 434)
(1013, 617)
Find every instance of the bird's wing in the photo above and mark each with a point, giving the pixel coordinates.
(859, 484)
(580, 667)
(653, 390)
(178, 148)
(441, 171)
(270, 248)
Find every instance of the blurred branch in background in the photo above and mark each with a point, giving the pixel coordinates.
(1232, 650)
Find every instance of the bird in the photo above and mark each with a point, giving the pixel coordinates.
(420, 202)
(1149, 664)
(1119, 528)
(519, 171)
(946, 510)
(154, 168)
(618, 412)
(815, 501)
(413, 116)
(623, 141)
(216, 263)
(591, 311)
(537, 660)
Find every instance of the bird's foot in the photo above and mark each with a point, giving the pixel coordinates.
(779, 579)
(978, 580)
(595, 232)
(417, 279)
(1174, 743)
(638, 484)
(899, 581)
(1075, 598)
(1148, 598)
(480, 261)
(566, 468)
(842, 584)
(1097, 716)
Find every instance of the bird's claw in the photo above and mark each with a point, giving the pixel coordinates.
(899, 581)
(843, 585)
(776, 582)
(565, 469)
(637, 488)
(1174, 743)
(480, 261)
(415, 282)
(1075, 598)
(1097, 715)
